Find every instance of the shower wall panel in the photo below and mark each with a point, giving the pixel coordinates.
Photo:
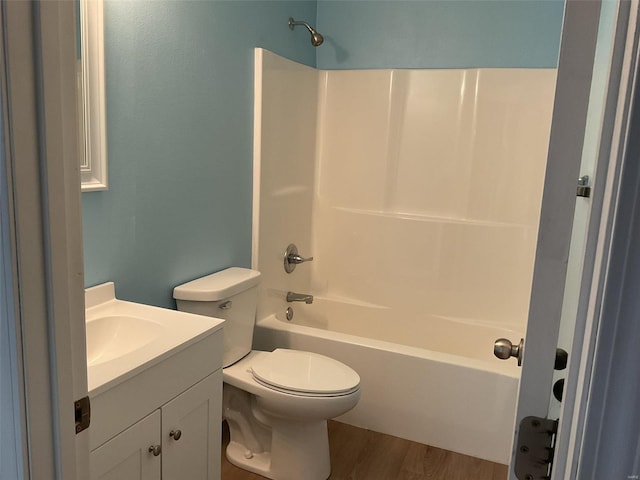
(284, 163)
(428, 190)
(416, 191)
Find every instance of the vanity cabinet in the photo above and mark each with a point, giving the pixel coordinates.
(191, 432)
(180, 440)
(127, 457)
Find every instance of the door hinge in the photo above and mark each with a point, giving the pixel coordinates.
(584, 186)
(534, 448)
(83, 414)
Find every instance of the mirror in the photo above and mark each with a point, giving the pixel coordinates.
(91, 96)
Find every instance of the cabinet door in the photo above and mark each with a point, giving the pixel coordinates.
(197, 415)
(127, 456)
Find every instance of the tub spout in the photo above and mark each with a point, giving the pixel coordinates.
(299, 297)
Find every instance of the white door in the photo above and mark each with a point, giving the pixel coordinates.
(592, 72)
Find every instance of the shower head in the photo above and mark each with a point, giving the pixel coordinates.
(316, 38)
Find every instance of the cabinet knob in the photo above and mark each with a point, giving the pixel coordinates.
(175, 434)
(155, 449)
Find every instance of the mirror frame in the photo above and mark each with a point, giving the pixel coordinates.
(91, 94)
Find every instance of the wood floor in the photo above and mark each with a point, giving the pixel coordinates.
(358, 454)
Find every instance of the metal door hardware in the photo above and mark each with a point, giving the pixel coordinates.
(82, 409)
(291, 258)
(504, 349)
(584, 186)
(535, 447)
(175, 434)
(558, 389)
(562, 357)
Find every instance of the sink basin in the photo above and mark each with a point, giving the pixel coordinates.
(117, 335)
(125, 338)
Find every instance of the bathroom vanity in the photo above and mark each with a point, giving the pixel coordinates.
(155, 384)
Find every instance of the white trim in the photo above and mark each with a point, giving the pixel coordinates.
(21, 148)
(598, 252)
(94, 125)
(257, 155)
(63, 221)
(609, 318)
(46, 234)
(607, 178)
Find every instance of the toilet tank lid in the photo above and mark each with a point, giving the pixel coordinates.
(218, 286)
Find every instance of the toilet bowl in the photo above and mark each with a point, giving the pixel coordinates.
(276, 403)
(280, 430)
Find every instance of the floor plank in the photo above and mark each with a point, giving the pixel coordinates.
(424, 462)
(380, 457)
(345, 445)
(359, 454)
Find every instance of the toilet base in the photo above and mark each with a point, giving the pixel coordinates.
(271, 446)
(259, 463)
(300, 451)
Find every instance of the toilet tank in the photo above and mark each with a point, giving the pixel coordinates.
(230, 294)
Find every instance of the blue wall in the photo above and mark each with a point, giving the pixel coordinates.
(179, 78)
(439, 33)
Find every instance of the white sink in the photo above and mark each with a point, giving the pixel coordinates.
(125, 338)
(117, 335)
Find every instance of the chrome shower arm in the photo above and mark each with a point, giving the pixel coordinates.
(293, 23)
(316, 38)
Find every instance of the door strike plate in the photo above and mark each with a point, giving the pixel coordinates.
(83, 414)
(534, 449)
(584, 186)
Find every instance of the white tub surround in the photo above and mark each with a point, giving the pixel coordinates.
(417, 192)
(285, 119)
(430, 182)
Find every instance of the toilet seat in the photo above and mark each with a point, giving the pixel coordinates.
(304, 373)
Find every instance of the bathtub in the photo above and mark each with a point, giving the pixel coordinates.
(453, 394)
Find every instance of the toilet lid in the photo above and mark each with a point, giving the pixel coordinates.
(304, 372)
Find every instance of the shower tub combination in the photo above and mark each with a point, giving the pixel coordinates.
(407, 188)
(461, 403)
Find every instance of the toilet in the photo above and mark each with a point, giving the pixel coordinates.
(276, 403)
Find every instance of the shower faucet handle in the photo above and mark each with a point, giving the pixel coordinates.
(291, 258)
(298, 259)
